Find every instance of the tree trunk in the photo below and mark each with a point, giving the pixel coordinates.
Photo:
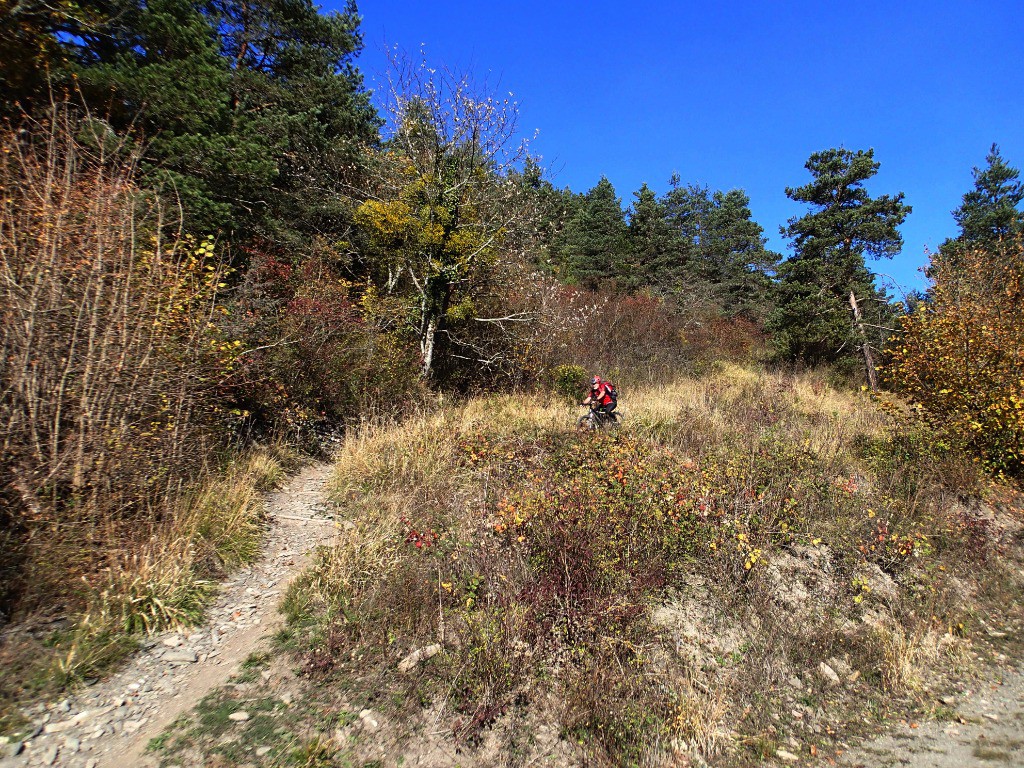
(865, 347)
(427, 347)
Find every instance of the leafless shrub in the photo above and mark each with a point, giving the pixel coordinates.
(107, 358)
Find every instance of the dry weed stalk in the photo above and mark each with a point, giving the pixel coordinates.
(697, 724)
(104, 341)
(908, 654)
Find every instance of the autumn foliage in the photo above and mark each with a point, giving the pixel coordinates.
(961, 359)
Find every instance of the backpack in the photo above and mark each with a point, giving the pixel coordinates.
(613, 393)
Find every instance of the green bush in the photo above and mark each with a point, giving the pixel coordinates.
(569, 382)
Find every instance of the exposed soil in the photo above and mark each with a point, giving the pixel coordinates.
(983, 725)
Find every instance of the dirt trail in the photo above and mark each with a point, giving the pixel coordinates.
(985, 727)
(108, 725)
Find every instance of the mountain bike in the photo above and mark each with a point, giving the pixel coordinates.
(596, 419)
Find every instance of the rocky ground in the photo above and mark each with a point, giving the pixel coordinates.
(110, 723)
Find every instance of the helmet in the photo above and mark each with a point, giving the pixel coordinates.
(596, 381)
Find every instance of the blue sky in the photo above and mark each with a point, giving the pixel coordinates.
(740, 93)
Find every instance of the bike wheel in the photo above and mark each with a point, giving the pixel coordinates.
(585, 424)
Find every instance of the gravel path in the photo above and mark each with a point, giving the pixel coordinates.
(986, 727)
(108, 725)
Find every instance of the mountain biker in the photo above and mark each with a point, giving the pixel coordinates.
(602, 396)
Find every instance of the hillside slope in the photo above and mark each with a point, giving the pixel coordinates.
(755, 566)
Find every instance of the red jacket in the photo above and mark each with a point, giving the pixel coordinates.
(601, 394)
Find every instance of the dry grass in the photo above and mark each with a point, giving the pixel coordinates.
(810, 530)
(163, 580)
(909, 654)
(699, 720)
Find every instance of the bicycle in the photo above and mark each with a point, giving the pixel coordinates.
(596, 419)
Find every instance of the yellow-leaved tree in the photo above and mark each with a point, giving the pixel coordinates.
(444, 193)
(961, 359)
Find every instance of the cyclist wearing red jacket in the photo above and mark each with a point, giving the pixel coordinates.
(602, 395)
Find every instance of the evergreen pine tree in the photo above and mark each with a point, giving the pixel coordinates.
(593, 246)
(723, 254)
(990, 211)
(812, 319)
(653, 247)
(250, 111)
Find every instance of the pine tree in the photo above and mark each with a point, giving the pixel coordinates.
(990, 212)
(593, 246)
(250, 110)
(653, 247)
(827, 276)
(723, 249)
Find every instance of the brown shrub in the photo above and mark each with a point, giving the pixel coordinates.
(107, 359)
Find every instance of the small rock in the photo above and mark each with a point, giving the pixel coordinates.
(990, 716)
(91, 763)
(174, 641)
(949, 701)
(854, 677)
(134, 687)
(72, 745)
(49, 757)
(261, 751)
(828, 674)
(64, 706)
(840, 666)
(134, 725)
(58, 727)
(795, 682)
(180, 656)
(420, 654)
(239, 717)
(368, 720)
(286, 699)
(789, 757)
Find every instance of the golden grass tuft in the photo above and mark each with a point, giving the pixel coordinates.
(908, 655)
(167, 581)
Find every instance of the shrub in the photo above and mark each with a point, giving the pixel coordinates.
(109, 361)
(961, 357)
(569, 382)
(318, 351)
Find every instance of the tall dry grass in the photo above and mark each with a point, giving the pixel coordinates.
(168, 579)
(809, 524)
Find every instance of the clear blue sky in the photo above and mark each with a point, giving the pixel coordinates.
(739, 93)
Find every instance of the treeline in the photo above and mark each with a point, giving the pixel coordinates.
(210, 233)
